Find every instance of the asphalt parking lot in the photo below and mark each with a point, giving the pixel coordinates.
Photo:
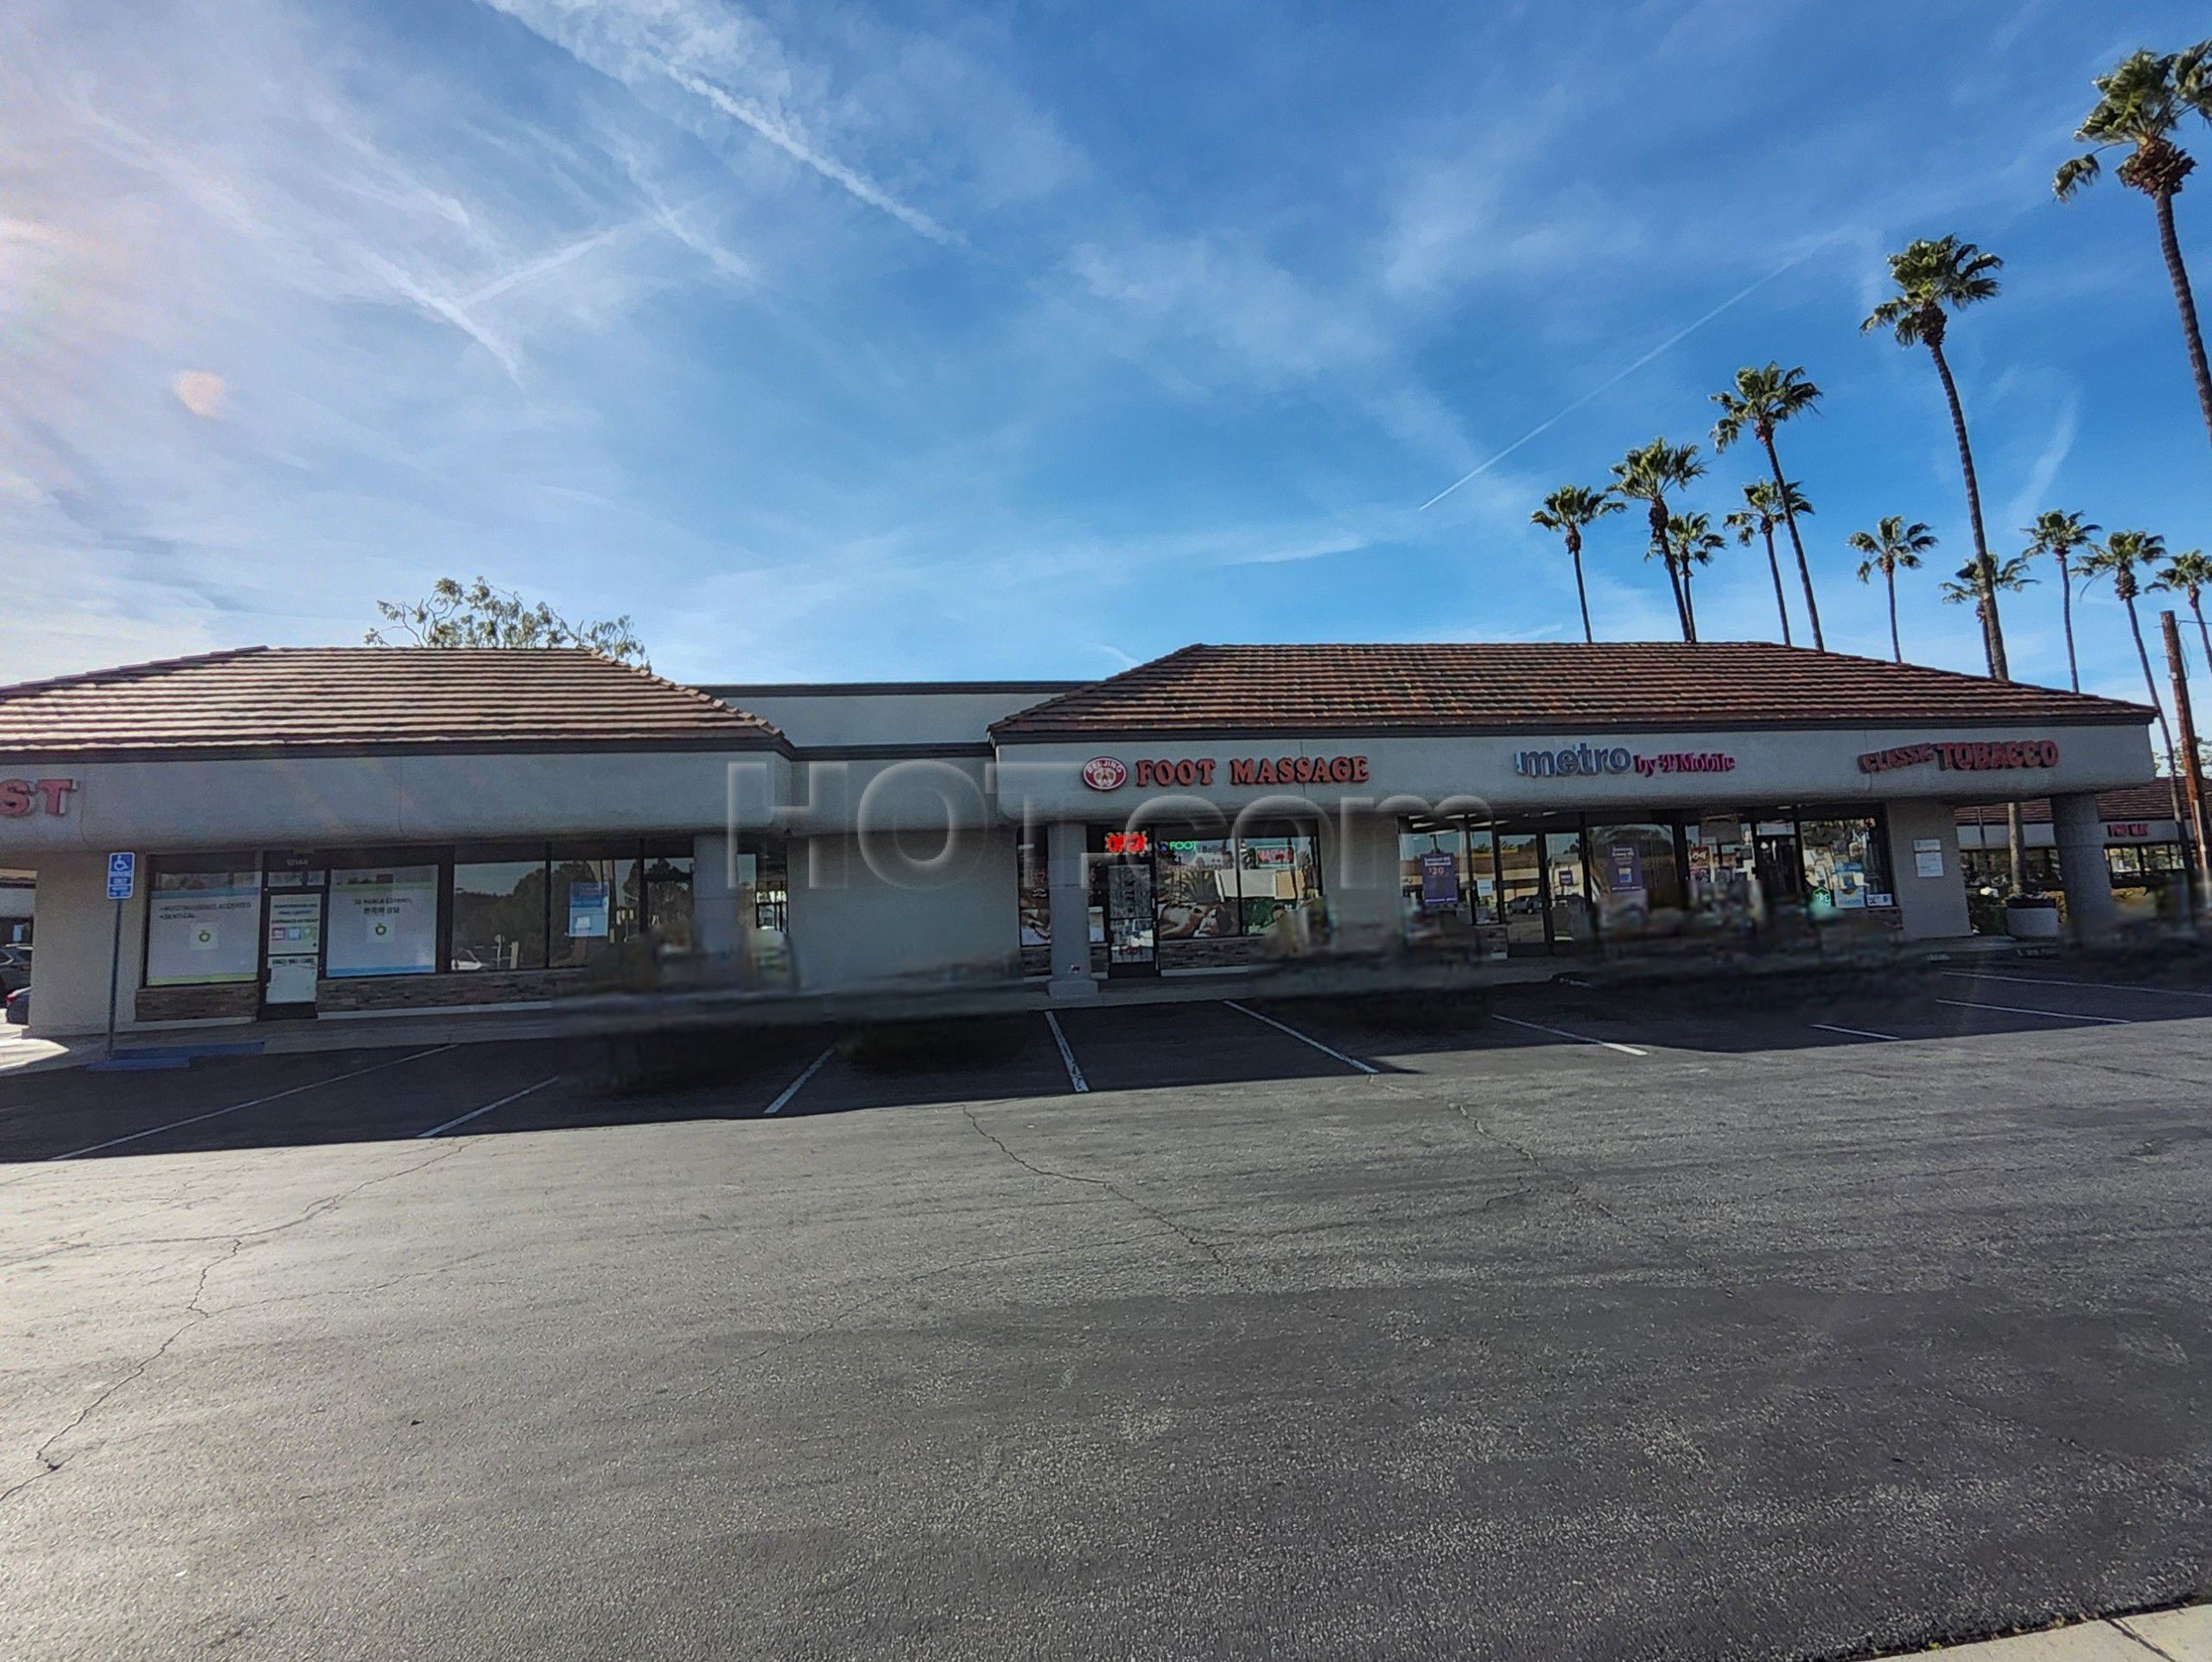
(1629, 1323)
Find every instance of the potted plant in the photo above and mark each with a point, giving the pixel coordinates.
(2031, 918)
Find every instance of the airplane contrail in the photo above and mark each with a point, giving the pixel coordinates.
(1673, 339)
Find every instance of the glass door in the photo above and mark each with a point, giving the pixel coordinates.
(1521, 891)
(1131, 934)
(1573, 921)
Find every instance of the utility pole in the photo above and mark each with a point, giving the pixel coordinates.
(2192, 779)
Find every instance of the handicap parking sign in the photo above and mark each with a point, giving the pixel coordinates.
(122, 876)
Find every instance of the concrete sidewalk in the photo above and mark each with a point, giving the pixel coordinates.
(2182, 1635)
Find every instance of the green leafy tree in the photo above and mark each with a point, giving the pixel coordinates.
(1934, 279)
(1891, 547)
(2141, 105)
(2062, 534)
(2125, 556)
(1647, 474)
(1571, 511)
(1691, 542)
(2188, 575)
(480, 615)
(1762, 398)
(1765, 506)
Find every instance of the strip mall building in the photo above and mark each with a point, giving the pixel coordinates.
(347, 830)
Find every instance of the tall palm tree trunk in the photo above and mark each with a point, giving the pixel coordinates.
(1689, 606)
(1774, 567)
(1992, 631)
(2197, 606)
(1797, 542)
(2066, 613)
(1658, 520)
(2170, 246)
(2165, 730)
(1890, 577)
(1574, 553)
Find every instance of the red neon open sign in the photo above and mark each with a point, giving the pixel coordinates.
(1128, 842)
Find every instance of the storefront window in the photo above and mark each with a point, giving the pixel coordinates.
(1636, 880)
(498, 915)
(1573, 920)
(595, 908)
(382, 921)
(1198, 885)
(668, 901)
(204, 925)
(1276, 871)
(1844, 866)
(1036, 894)
(2142, 861)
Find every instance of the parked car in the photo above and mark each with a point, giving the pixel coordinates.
(19, 1007)
(15, 969)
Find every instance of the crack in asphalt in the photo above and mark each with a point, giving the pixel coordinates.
(1210, 1248)
(195, 1312)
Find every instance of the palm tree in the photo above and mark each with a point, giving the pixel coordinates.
(2058, 534)
(1765, 507)
(2011, 577)
(1646, 474)
(2141, 104)
(1762, 400)
(2188, 575)
(1891, 547)
(1691, 542)
(2123, 553)
(1934, 279)
(1570, 510)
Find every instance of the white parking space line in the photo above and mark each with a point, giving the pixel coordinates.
(2023, 1010)
(252, 1102)
(1067, 1055)
(2053, 980)
(784, 1096)
(1560, 1032)
(1349, 1061)
(474, 1113)
(1856, 1032)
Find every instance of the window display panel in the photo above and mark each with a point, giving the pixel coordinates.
(595, 908)
(668, 901)
(1844, 864)
(1573, 921)
(1036, 894)
(384, 921)
(498, 915)
(203, 928)
(1432, 877)
(1198, 885)
(1274, 872)
(1636, 878)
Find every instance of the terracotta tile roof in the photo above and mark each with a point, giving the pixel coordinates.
(257, 700)
(1549, 686)
(2148, 801)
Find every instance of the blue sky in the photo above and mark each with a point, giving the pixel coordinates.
(1008, 340)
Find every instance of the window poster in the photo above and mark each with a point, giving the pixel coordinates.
(383, 921)
(204, 927)
(588, 911)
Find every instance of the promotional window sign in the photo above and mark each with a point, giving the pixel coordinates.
(587, 909)
(1439, 882)
(383, 921)
(206, 931)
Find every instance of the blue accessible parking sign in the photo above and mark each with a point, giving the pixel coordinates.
(122, 876)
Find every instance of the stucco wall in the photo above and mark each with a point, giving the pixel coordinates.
(76, 932)
(851, 925)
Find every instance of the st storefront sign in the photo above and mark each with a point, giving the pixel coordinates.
(1967, 758)
(22, 796)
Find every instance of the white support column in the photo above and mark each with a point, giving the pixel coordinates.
(2079, 832)
(1931, 907)
(717, 894)
(1069, 891)
(1361, 882)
